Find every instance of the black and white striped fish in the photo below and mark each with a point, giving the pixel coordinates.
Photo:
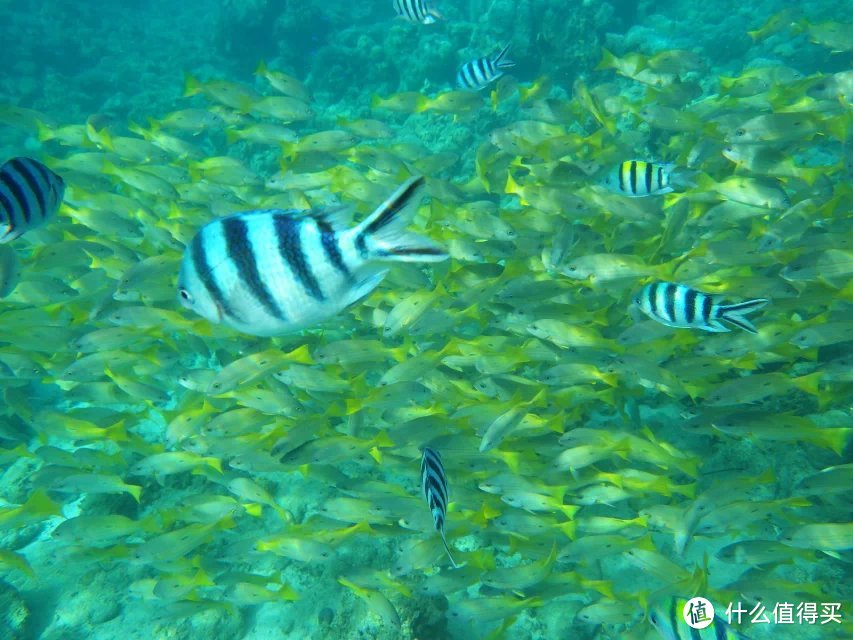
(273, 271)
(477, 74)
(637, 178)
(418, 11)
(30, 193)
(434, 484)
(677, 305)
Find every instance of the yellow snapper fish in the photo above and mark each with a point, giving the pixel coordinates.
(270, 272)
(283, 83)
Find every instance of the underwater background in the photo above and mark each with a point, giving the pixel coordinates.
(600, 465)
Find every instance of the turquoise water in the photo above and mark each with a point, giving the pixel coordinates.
(599, 463)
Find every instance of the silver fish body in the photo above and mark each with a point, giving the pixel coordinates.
(272, 272)
(417, 11)
(30, 194)
(680, 306)
(479, 73)
(637, 179)
(434, 485)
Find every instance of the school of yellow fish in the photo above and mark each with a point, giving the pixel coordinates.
(596, 462)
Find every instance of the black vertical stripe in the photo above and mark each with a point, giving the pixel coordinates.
(239, 249)
(52, 181)
(690, 305)
(361, 246)
(481, 66)
(202, 268)
(25, 169)
(661, 185)
(6, 208)
(707, 303)
(622, 177)
(490, 69)
(633, 180)
(669, 301)
(649, 170)
(465, 75)
(18, 194)
(437, 484)
(290, 249)
(653, 298)
(434, 484)
(330, 246)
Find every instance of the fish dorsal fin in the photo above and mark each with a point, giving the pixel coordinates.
(338, 217)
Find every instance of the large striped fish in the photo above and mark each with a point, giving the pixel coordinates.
(434, 484)
(668, 619)
(477, 74)
(677, 305)
(637, 178)
(417, 11)
(273, 271)
(30, 193)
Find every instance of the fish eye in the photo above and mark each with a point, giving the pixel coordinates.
(740, 132)
(186, 296)
(653, 618)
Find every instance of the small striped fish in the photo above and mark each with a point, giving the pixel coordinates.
(478, 73)
(434, 484)
(417, 11)
(636, 178)
(30, 193)
(669, 621)
(271, 272)
(677, 305)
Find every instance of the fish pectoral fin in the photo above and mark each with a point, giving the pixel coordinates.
(367, 280)
(715, 326)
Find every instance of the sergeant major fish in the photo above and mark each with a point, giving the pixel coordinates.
(270, 272)
(30, 193)
(417, 11)
(670, 624)
(477, 74)
(434, 484)
(677, 305)
(636, 179)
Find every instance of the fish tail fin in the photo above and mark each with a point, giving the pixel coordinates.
(288, 150)
(135, 491)
(435, 13)
(232, 136)
(809, 383)
(500, 60)
(191, 85)
(608, 60)
(735, 313)
(381, 236)
(447, 548)
(44, 132)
